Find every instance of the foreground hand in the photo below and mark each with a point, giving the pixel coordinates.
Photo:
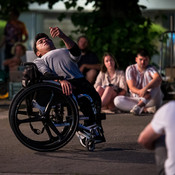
(66, 87)
(55, 31)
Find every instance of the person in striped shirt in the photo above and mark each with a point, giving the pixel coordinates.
(144, 83)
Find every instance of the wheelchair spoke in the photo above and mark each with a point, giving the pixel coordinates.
(26, 113)
(51, 126)
(48, 132)
(29, 120)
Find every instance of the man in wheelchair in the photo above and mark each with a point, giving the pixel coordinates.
(63, 62)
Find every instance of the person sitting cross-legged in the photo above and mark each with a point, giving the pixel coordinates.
(144, 84)
(110, 83)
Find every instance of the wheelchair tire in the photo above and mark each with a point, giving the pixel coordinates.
(43, 131)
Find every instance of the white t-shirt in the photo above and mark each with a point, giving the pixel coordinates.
(141, 79)
(59, 62)
(164, 122)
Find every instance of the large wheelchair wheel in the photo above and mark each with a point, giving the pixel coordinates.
(43, 118)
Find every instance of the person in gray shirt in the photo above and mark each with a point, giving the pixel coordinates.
(63, 62)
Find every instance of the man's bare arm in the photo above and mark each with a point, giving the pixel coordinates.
(90, 66)
(56, 32)
(155, 82)
(132, 86)
(147, 137)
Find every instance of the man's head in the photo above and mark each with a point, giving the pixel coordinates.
(83, 43)
(14, 14)
(18, 49)
(42, 44)
(142, 59)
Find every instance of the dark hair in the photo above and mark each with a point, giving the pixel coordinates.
(83, 36)
(16, 45)
(143, 53)
(103, 67)
(15, 12)
(37, 37)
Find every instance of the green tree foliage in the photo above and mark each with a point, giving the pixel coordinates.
(21, 5)
(118, 27)
(115, 26)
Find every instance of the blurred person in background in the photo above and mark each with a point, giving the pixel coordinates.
(15, 31)
(88, 64)
(159, 136)
(19, 51)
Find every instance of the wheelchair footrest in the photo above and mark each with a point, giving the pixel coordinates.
(82, 117)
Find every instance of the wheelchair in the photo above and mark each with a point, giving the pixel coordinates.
(44, 119)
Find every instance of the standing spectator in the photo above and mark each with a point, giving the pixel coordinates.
(15, 31)
(89, 63)
(110, 82)
(144, 85)
(162, 124)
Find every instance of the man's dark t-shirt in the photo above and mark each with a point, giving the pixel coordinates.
(88, 58)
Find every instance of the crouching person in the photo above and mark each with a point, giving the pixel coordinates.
(159, 136)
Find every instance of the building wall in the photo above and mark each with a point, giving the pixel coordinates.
(40, 21)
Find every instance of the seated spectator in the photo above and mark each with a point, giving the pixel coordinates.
(110, 82)
(88, 64)
(19, 51)
(144, 85)
(161, 124)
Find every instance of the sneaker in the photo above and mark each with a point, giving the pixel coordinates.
(136, 110)
(81, 138)
(151, 110)
(36, 105)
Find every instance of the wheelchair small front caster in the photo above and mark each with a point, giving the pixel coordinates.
(90, 145)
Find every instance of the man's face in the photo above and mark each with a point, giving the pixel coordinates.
(83, 43)
(43, 46)
(19, 51)
(142, 61)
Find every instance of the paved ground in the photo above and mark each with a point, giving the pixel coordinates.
(120, 155)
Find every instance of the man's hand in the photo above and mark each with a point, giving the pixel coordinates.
(56, 32)
(66, 87)
(82, 68)
(142, 92)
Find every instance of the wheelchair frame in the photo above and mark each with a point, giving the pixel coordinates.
(53, 125)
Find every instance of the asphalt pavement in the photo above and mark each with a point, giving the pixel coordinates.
(119, 155)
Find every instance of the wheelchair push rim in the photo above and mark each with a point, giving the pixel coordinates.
(50, 124)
